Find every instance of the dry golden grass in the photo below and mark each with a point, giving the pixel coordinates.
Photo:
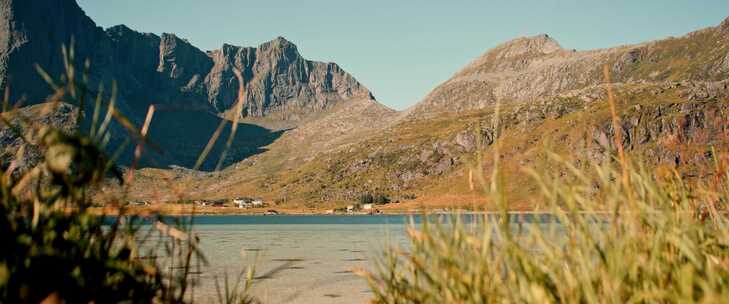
(616, 232)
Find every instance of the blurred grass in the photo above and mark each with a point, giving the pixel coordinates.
(53, 249)
(652, 241)
(619, 231)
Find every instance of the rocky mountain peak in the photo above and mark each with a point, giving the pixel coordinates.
(169, 38)
(123, 34)
(512, 56)
(535, 45)
(278, 43)
(279, 81)
(166, 68)
(279, 50)
(119, 30)
(180, 60)
(526, 69)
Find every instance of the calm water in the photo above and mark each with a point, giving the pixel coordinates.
(300, 259)
(311, 257)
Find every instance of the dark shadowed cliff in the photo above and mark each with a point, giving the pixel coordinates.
(196, 88)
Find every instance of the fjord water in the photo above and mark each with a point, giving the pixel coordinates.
(302, 259)
(298, 259)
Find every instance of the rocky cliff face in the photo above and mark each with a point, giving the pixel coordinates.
(672, 96)
(194, 89)
(33, 31)
(278, 80)
(529, 68)
(163, 69)
(182, 63)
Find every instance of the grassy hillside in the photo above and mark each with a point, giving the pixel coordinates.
(672, 107)
(664, 124)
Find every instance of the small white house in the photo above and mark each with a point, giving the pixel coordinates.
(257, 203)
(242, 203)
(350, 208)
(330, 211)
(367, 206)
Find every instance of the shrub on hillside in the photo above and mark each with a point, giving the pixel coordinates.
(378, 198)
(366, 198)
(381, 199)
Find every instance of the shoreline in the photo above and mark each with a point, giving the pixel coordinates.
(232, 211)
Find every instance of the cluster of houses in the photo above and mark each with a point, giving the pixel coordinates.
(211, 203)
(241, 202)
(352, 209)
(246, 202)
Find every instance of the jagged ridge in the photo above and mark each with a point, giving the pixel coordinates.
(164, 69)
(194, 89)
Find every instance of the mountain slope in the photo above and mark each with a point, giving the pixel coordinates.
(681, 125)
(672, 113)
(298, 150)
(534, 67)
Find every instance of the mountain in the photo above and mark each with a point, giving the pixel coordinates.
(673, 107)
(279, 82)
(32, 32)
(196, 89)
(537, 67)
(164, 69)
(313, 137)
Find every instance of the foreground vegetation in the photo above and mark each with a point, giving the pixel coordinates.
(607, 241)
(618, 232)
(54, 250)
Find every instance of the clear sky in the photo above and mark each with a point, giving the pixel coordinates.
(401, 49)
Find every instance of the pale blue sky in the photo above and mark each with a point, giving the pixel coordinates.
(401, 49)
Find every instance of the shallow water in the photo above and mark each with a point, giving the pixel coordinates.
(303, 259)
(299, 259)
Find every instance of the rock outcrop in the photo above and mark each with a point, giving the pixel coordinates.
(149, 69)
(278, 80)
(183, 64)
